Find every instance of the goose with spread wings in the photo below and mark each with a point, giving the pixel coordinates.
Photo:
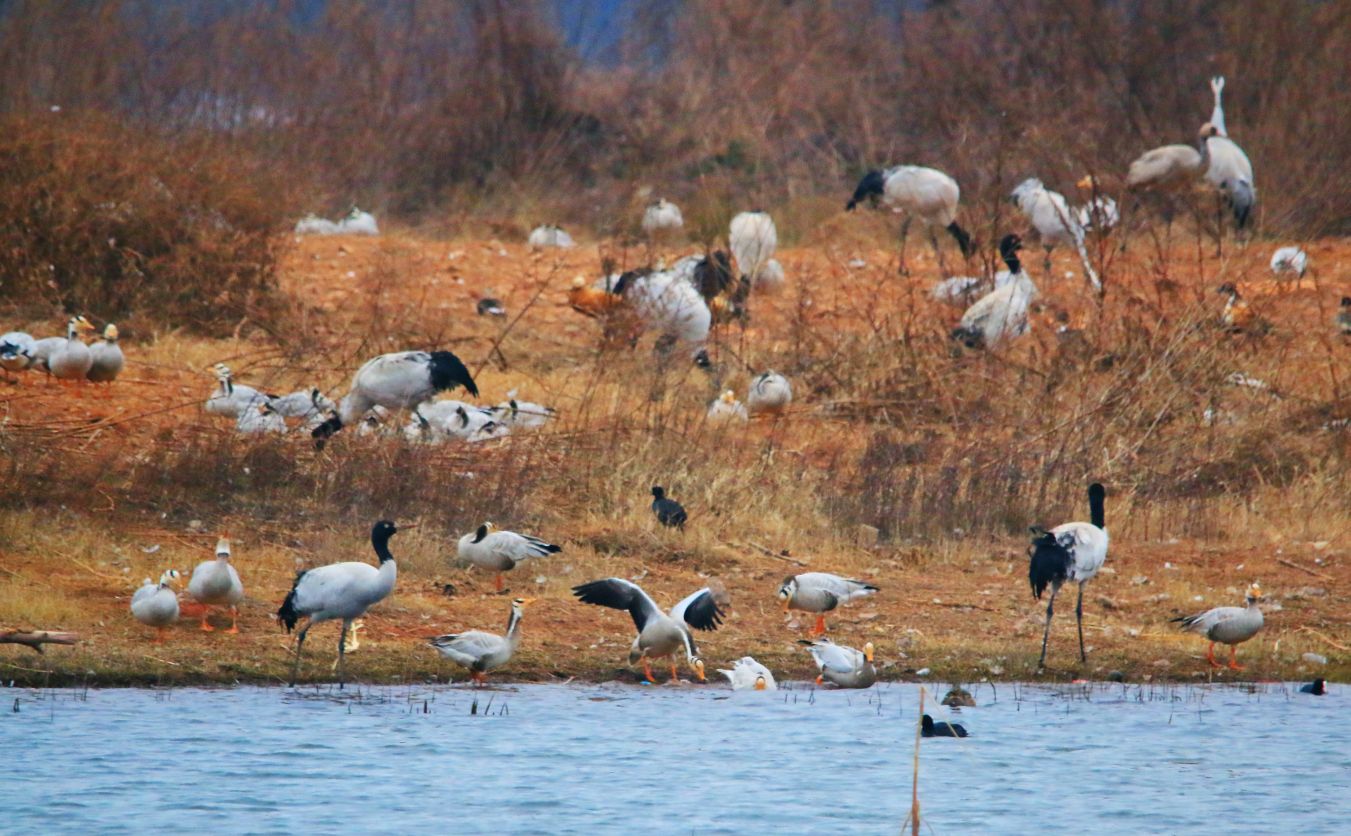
(659, 634)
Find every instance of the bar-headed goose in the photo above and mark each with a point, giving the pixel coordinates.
(66, 358)
(659, 635)
(661, 218)
(107, 357)
(479, 652)
(500, 551)
(749, 675)
(215, 583)
(17, 349)
(1073, 551)
(821, 592)
(260, 418)
(522, 414)
(769, 392)
(840, 665)
(400, 380)
(340, 590)
(230, 400)
(309, 405)
(1227, 625)
(156, 605)
(727, 410)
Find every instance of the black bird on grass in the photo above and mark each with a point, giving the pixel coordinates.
(1318, 688)
(669, 512)
(491, 307)
(931, 729)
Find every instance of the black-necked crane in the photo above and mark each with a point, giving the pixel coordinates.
(1000, 314)
(400, 380)
(918, 192)
(1056, 224)
(1073, 551)
(340, 591)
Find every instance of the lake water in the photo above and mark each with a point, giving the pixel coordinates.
(610, 759)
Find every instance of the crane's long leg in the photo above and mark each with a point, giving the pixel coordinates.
(300, 645)
(1046, 633)
(342, 652)
(1079, 616)
(1046, 263)
(938, 253)
(905, 233)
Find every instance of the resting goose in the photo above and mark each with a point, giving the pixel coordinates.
(840, 665)
(659, 634)
(17, 349)
(1002, 313)
(1073, 551)
(549, 235)
(400, 380)
(821, 592)
(1228, 625)
(522, 414)
(65, 358)
(156, 605)
(752, 238)
(309, 405)
(479, 652)
(231, 400)
(769, 392)
(727, 410)
(215, 583)
(500, 551)
(340, 590)
(260, 418)
(662, 217)
(749, 675)
(107, 360)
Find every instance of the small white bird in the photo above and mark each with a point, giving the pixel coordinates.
(770, 279)
(1228, 625)
(309, 405)
(65, 358)
(17, 350)
(919, 192)
(156, 605)
(260, 418)
(727, 410)
(749, 675)
(548, 235)
(842, 666)
(1000, 314)
(231, 400)
(500, 551)
(661, 218)
(215, 583)
(1072, 551)
(821, 592)
(1289, 261)
(753, 239)
(400, 380)
(480, 652)
(340, 590)
(770, 392)
(107, 357)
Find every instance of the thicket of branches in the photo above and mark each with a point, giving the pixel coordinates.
(436, 112)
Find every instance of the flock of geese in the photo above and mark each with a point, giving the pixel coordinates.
(680, 304)
(1071, 552)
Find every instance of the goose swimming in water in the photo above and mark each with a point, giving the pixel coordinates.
(340, 591)
(1227, 625)
(501, 551)
(400, 380)
(821, 592)
(1072, 551)
(840, 665)
(659, 634)
(215, 583)
(156, 605)
(480, 652)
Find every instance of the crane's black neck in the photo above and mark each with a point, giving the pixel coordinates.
(1096, 508)
(380, 540)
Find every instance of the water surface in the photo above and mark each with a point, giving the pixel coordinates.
(609, 759)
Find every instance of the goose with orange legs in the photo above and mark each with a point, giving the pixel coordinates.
(215, 583)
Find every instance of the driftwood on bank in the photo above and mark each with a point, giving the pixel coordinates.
(35, 639)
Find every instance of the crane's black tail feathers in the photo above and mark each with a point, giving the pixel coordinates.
(1050, 562)
(962, 237)
(448, 372)
(288, 614)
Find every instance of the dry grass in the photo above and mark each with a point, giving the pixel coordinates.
(949, 456)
